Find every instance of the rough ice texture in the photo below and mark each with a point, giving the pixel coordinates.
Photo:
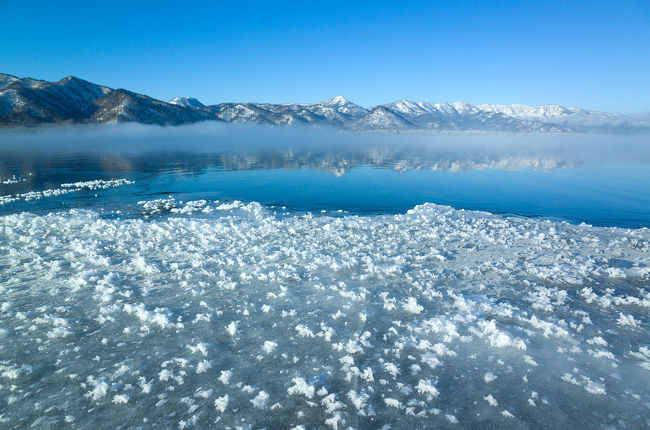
(244, 317)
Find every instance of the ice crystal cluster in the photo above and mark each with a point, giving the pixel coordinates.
(73, 187)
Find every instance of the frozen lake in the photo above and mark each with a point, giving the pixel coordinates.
(264, 278)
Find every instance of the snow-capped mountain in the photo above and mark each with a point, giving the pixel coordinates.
(461, 115)
(27, 101)
(187, 102)
(344, 106)
(382, 118)
(32, 102)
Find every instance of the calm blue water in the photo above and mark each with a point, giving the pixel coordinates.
(602, 181)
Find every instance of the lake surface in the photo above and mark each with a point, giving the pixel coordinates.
(599, 180)
(202, 277)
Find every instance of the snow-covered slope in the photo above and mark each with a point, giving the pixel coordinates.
(124, 106)
(468, 116)
(27, 101)
(6, 80)
(31, 102)
(344, 106)
(382, 118)
(187, 102)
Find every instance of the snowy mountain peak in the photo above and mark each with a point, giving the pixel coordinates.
(6, 80)
(187, 102)
(406, 107)
(336, 101)
(68, 79)
(382, 118)
(343, 106)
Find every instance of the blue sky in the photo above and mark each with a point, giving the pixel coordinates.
(592, 54)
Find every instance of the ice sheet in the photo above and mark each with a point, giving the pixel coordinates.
(234, 315)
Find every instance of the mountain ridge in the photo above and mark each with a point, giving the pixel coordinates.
(31, 102)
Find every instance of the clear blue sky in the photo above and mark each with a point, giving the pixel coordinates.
(592, 54)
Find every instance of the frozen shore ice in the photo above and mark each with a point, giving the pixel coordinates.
(231, 315)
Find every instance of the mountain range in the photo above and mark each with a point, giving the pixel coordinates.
(30, 102)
